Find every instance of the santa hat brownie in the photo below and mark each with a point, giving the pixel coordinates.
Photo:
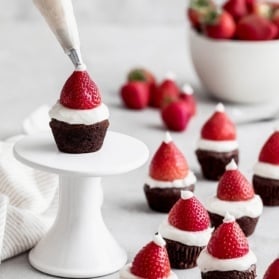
(79, 120)
(272, 271)
(186, 231)
(168, 174)
(266, 171)
(217, 144)
(151, 262)
(227, 254)
(236, 195)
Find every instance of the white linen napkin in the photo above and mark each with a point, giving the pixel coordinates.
(28, 197)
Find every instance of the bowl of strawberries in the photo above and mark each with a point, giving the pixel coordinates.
(235, 49)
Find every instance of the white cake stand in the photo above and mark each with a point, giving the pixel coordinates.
(79, 245)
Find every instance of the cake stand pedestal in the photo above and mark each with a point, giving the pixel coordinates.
(79, 245)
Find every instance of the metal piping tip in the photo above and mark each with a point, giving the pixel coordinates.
(75, 57)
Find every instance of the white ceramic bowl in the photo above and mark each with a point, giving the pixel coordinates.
(237, 71)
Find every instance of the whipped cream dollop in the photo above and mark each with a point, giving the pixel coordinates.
(188, 180)
(252, 208)
(79, 116)
(125, 273)
(199, 238)
(207, 262)
(266, 170)
(217, 146)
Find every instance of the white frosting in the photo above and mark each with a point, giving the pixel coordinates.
(252, 208)
(187, 89)
(168, 138)
(199, 238)
(228, 218)
(217, 145)
(186, 195)
(266, 170)
(170, 76)
(79, 116)
(158, 240)
(206, 262)
(188, 180)
(81, 67)
(220, 107)
(231, 165)
(125, 273)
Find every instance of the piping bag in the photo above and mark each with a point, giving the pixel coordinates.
(59, 15)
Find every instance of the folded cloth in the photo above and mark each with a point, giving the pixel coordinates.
(28, 200)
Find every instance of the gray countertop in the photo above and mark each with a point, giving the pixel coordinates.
(33, 72)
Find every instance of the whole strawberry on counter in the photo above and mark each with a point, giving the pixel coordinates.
(273, 270)
(187, 96)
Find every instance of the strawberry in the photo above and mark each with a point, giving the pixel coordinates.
(275, 19)
(219, 25)
(233, 186)
(141, 74)
(273, 270)
(186, 95)
(135, 94)
(228, 240)
(262, 9)
(270, 151)
(237, 8)
(176, 115)
(188, 214)
(166, 92)
(152, 261)
(219, 126)
(256, 28)
(250, 5)
(168, 163)
(197, 11)
(80, 92)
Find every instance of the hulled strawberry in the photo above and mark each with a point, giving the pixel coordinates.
(273, 270)
(135, 94)
(176, 115)
(254, 27)
(228, 241)
(187, 96)
(152, 261)
(233, 186)
(237, 8)
(188, 214)
(219, 25)
(168, 163)
(80, 92)
(166, 92)
(270, 151)
(219, 126)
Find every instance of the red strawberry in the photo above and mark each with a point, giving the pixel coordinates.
(233, 186)
(228, 241)
(168, 163)
(166, 92)
(135, 94)
(197, 11)
(237, 8)
(141, 74)
(273, 270)
(188, 214)
(256, 28)
(186, 95)
(219, 126)
(176, 115)
(152, 261)
(80, 92)
(270, 150)
(219, 25)
(275, 19)
(250, 5)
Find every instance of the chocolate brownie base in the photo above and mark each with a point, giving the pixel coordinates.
(267, 189)
(213, 164)
(162, 199)
(78, 138)
(246, 223)
(232, 274)
(182, 256)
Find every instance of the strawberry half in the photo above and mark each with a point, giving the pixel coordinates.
(219, 126)
(233, 186)
(152, 261)
(188, 214)
(270, 150)
(273, 270)
(168, 163)
(80, 92)
(228, 240)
